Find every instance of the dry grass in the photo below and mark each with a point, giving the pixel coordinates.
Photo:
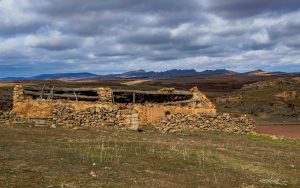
(42, 157)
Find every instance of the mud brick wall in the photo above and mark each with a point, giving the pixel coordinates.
(154, 113)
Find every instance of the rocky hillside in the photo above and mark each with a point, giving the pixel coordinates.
(278, 98)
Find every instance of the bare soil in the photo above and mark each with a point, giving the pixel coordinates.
(290, 131)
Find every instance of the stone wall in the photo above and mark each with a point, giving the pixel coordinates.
(105, 94)
(222, 122)
(68, 116)
(18, 94)
(10, 117)
(197, 114)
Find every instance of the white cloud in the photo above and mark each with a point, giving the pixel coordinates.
(261, 37)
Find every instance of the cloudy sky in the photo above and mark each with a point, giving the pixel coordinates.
(112, 36)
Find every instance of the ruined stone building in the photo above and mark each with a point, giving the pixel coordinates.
(101, 106)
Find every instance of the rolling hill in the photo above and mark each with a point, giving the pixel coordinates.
(142, 74)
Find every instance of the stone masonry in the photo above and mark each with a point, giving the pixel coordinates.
(221, 122)
(105, 94)
(67, 116)
(198, 113)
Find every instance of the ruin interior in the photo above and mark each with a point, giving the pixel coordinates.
(148, 107)
(118, 95)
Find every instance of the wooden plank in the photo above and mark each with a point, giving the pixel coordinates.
(133, 97)
(179, 102)
(113, 97)
(176, 92)
(153, 92)
(33, 88)
(42, 92)
(75, 96)
(62, 96)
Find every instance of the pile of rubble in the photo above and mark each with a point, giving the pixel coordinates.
(92, 117)
(4, 115)
(11, 117)
(223, 122)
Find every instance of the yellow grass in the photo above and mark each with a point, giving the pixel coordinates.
(135, 82)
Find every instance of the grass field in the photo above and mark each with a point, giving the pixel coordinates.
(43, 157)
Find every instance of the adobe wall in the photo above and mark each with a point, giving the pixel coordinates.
(153, 114)
(29, 108)
(74, 113)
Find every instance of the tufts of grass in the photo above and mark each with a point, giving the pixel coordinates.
(41, 157)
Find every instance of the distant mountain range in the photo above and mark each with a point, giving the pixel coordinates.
(140, 74)
(58, 76)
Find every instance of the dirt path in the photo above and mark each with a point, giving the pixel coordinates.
(290, 131)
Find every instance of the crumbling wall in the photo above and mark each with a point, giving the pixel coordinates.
(18, 94)
(74, 113)
(221, 122)
(153, 113)
(201, 101)
(28, 108)
(105, 94)
(68, 116)
(198, 113)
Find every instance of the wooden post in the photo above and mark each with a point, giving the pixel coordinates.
(133, 97)
(51, 94)
(75, 95)
(42, 92)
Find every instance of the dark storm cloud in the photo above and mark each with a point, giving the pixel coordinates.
(10, 30)
(237, 9)
(118, 35)
(54, 41)
(58, 7)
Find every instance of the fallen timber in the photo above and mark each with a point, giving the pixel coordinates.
(177, 92)
(32, 88)
(62, 96)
